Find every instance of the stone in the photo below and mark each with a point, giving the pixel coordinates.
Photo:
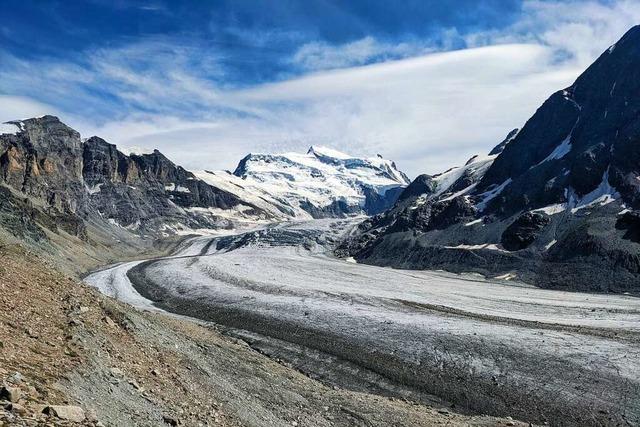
(66, 412)
(170, 420)
(16, 378)
(109, 321)
(16, 408)
(12, 394)
(523, 231)
(91, 415)
(116, 372)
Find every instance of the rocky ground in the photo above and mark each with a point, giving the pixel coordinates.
(71, 356)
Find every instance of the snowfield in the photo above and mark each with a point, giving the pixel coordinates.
(489, 346)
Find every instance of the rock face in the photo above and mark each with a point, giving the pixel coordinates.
(523, 231)
(53, 179)
(324, 182)
(44, 159)
(149, 188)
(546, 200)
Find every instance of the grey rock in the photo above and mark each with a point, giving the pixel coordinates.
(66, 412)
(11, 394)
(523, 231)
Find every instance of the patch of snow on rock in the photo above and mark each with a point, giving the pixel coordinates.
(9, 129)
(489, 246)
(602, 195)
(477, 221)
(560, 151)
(487, 196)
(552, 209)
(95, 189)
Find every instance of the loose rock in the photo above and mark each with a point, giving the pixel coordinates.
(66, 412)
(12, 394)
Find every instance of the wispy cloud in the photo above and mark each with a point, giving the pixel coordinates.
(315, 56)
(427, 110)
(577, 31)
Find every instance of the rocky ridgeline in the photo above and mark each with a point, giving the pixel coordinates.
(76, 185)
(556, 203)
(69, 184)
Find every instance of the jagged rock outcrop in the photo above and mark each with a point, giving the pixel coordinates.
(149, 188)
(43, 159)
(54, 179)
(544, 203)
(523, 231)
(69, 183)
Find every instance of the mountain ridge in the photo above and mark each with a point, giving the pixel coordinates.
(89, 188)
(550, 205)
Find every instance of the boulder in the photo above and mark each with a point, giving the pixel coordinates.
(65, 412)
(523, 231)
(630, 222)
(12, 394)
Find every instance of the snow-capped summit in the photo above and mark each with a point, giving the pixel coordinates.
(324, 182)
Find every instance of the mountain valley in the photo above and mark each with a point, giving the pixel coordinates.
(325, 289)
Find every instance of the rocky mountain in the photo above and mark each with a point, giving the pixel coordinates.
(323, 182)
(557, 203)
(53, 181)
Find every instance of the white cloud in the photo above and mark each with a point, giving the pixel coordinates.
(316, 56)
(423, 112)
(579, 30)
(20, 107)
(427, 112)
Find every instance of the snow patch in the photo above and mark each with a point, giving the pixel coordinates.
(328, 152)
(602, 195)
(487, 196)
(9, 129)
(176, 188)
(552, 209)
(477, 221)
(489, 246)
(474, 167)
(95, 189)
(560, 151)
(507, 276)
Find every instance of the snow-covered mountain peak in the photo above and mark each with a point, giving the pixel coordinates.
(323, 181)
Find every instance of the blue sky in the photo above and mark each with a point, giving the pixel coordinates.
(426, 83)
